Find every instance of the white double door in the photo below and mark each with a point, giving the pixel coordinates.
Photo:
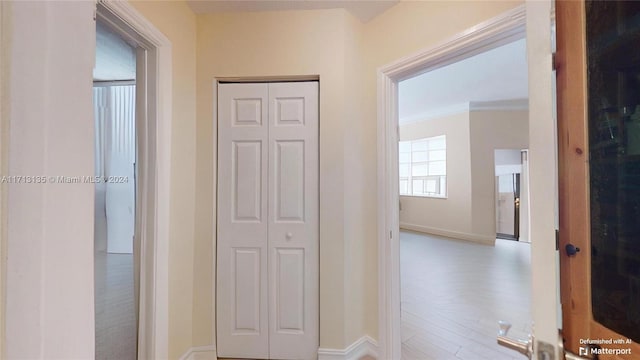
(267, 245)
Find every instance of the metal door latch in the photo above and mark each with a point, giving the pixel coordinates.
(526, 347)
(523, 347)
(568, 355)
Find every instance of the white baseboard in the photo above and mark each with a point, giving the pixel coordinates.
(200, 353)
(481, 239)
(365, 346)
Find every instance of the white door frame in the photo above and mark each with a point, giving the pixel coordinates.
(153, 175)
(500, 30)
(3, 169)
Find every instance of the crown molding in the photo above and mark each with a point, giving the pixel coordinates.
(435, 114)
(473, 106)
(500, 105)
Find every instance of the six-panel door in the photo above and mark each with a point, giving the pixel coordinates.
(267, 252)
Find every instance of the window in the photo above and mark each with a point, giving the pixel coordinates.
(423, 167)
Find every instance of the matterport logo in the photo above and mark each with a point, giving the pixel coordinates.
(602, 349)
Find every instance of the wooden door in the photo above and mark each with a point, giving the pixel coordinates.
(598, 82)
(268, 221)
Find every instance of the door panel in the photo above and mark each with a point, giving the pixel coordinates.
(241, 307)
(246, 290)
(289, 291)
(293, 220)
(289, 181)
(246, 181)
(597, 69)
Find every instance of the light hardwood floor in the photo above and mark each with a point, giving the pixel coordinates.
(115, 311)
(454, 292)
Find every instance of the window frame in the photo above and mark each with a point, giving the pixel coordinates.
(441, 180)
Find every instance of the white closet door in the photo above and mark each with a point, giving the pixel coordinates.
(293, 221)
(242, 315)
(267, 290)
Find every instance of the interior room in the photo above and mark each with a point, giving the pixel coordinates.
(458, 276)
(114, 93)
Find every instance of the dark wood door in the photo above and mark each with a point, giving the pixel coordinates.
(598, 83)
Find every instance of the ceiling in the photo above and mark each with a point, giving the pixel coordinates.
(497, 76)
(364, 10)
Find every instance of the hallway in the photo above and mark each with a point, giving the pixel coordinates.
(454, 293)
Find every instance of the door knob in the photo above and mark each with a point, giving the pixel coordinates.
(289, 236)
(571, 249)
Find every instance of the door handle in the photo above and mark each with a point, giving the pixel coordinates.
(571, 249)
(526, 347)
(523, 347)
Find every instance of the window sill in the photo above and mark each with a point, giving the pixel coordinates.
(426, 197)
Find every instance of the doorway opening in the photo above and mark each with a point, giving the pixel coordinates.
(512, 194)
(500, 30)
(457, 280)
(146, 166)
(115, 276)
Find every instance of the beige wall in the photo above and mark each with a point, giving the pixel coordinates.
(359, 188)
(176, 20)
(490, 130)
(450, 216)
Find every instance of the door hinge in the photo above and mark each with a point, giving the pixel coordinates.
(390, 234)
(557, 239)
(554, 62)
